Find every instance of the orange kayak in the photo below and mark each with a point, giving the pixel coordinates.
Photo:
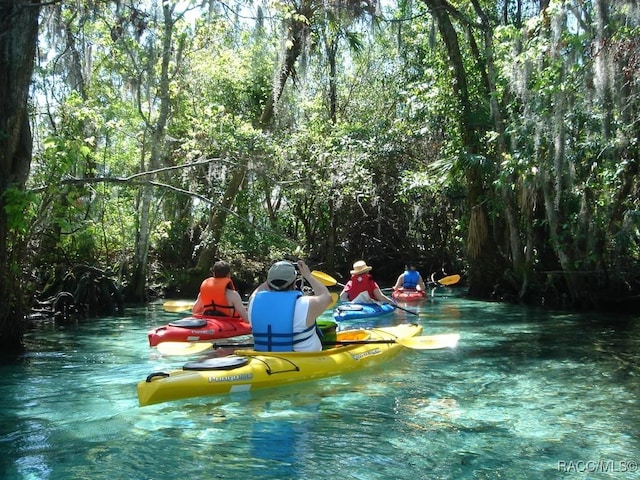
(409, 295)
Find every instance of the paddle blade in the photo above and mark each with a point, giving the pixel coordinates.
(183, 348)
(450, 280)
(178, 305)
(324, 278)
(334, 299)
(430, 342)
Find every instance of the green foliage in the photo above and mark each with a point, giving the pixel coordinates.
(369, 161)
(19, 209)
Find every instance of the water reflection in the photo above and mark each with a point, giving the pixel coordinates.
(523, 391)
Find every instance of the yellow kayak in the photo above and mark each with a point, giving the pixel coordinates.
(250, 370)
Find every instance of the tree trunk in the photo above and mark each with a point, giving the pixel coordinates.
(143, 237)
(602, 65)
(332, 51)
(331, 239)
(521, 268)
(299, 31)
(18, 37)
(482, 253)
(218, 217)
(555, 172)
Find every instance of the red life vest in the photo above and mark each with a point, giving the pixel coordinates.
(360, 283)
(213, 297)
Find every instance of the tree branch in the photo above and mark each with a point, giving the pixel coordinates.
(134, 180)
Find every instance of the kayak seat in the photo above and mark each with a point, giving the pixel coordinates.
(354, 307)
(189, 323)
(353, 335)
(220, 363)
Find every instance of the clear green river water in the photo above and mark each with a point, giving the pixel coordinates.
(526, 394)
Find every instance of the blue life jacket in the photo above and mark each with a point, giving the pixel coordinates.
(410, 279)
(272, 321)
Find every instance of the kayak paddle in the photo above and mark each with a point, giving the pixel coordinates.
(425, 342)
(395, 305)
(326, 279)
(334, 299)
(178, 305)
(450, 280)
(183, 348)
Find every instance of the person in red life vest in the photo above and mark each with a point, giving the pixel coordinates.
(218, 295)
(362, 288)
(410, 279)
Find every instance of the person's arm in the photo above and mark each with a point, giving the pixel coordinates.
(381, 297)
(321, 298)
(234, 298)
(399, 282)
(344, 294)
(421, 283)
(198, 308)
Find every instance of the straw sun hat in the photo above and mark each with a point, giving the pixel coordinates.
(360, 267)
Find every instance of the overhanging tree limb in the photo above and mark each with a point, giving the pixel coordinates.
(133, 180)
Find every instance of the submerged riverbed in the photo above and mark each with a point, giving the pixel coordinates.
(526, 394)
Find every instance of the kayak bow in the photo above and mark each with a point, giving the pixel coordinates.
(198, 328)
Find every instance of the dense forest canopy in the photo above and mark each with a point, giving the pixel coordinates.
(497, 139)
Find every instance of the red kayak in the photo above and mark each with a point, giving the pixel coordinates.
(409, 295)
(198, 328)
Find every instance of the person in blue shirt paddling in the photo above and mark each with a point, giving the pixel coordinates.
(410, 279)
(282, 319)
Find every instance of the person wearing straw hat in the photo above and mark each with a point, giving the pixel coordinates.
(361, 287)
(282, 319)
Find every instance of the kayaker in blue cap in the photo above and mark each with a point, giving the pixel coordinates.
(282, 319)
